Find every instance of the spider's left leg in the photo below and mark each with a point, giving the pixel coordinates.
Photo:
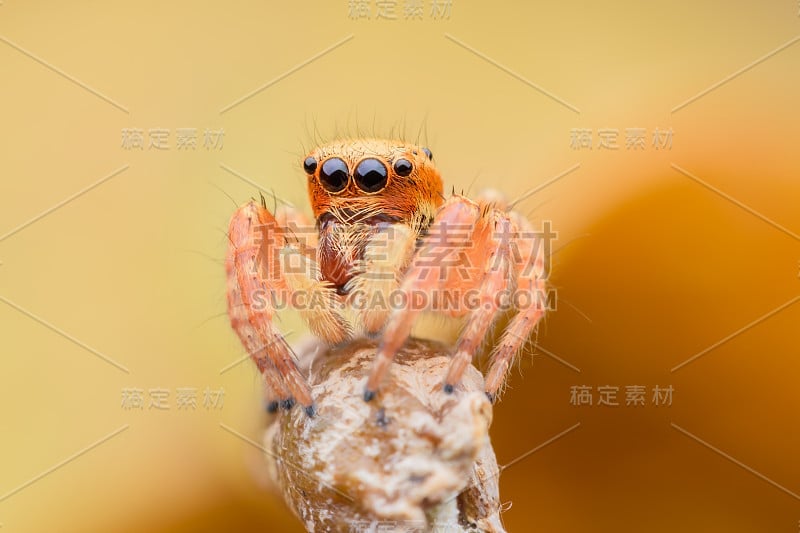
(478, 237)
(530, 298)
(424, 275)
(494, 232)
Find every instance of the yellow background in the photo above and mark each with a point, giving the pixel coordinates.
(653, 267)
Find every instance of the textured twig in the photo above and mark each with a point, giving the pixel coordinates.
(413, 459)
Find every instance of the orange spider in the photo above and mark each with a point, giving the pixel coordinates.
(386, 246)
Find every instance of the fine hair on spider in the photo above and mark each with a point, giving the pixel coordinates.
(381, 225)
(353, 128)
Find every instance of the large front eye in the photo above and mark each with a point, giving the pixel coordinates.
(333, 174)
(371, 175)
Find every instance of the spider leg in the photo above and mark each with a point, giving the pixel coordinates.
(499, 254)
(275, 392)
(266, 264)
(492, 234)
(451, 230)
(529, 267)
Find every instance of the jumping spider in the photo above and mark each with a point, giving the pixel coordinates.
(383, 232)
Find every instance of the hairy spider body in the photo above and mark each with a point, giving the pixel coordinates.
(385, 233)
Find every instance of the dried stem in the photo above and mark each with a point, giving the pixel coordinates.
(413, 459)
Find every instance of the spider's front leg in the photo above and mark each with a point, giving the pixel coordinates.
(462, 263)
(266, 265)
(495, 255)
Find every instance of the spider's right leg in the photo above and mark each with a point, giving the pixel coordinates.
(255, 282)
(276, 392)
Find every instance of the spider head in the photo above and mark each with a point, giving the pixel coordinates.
(372, 180)
(357, 187)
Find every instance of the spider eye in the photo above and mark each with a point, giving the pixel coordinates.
(402, 167)
(334, 175)
(371, 175)
(428, 153)
(310, 165)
